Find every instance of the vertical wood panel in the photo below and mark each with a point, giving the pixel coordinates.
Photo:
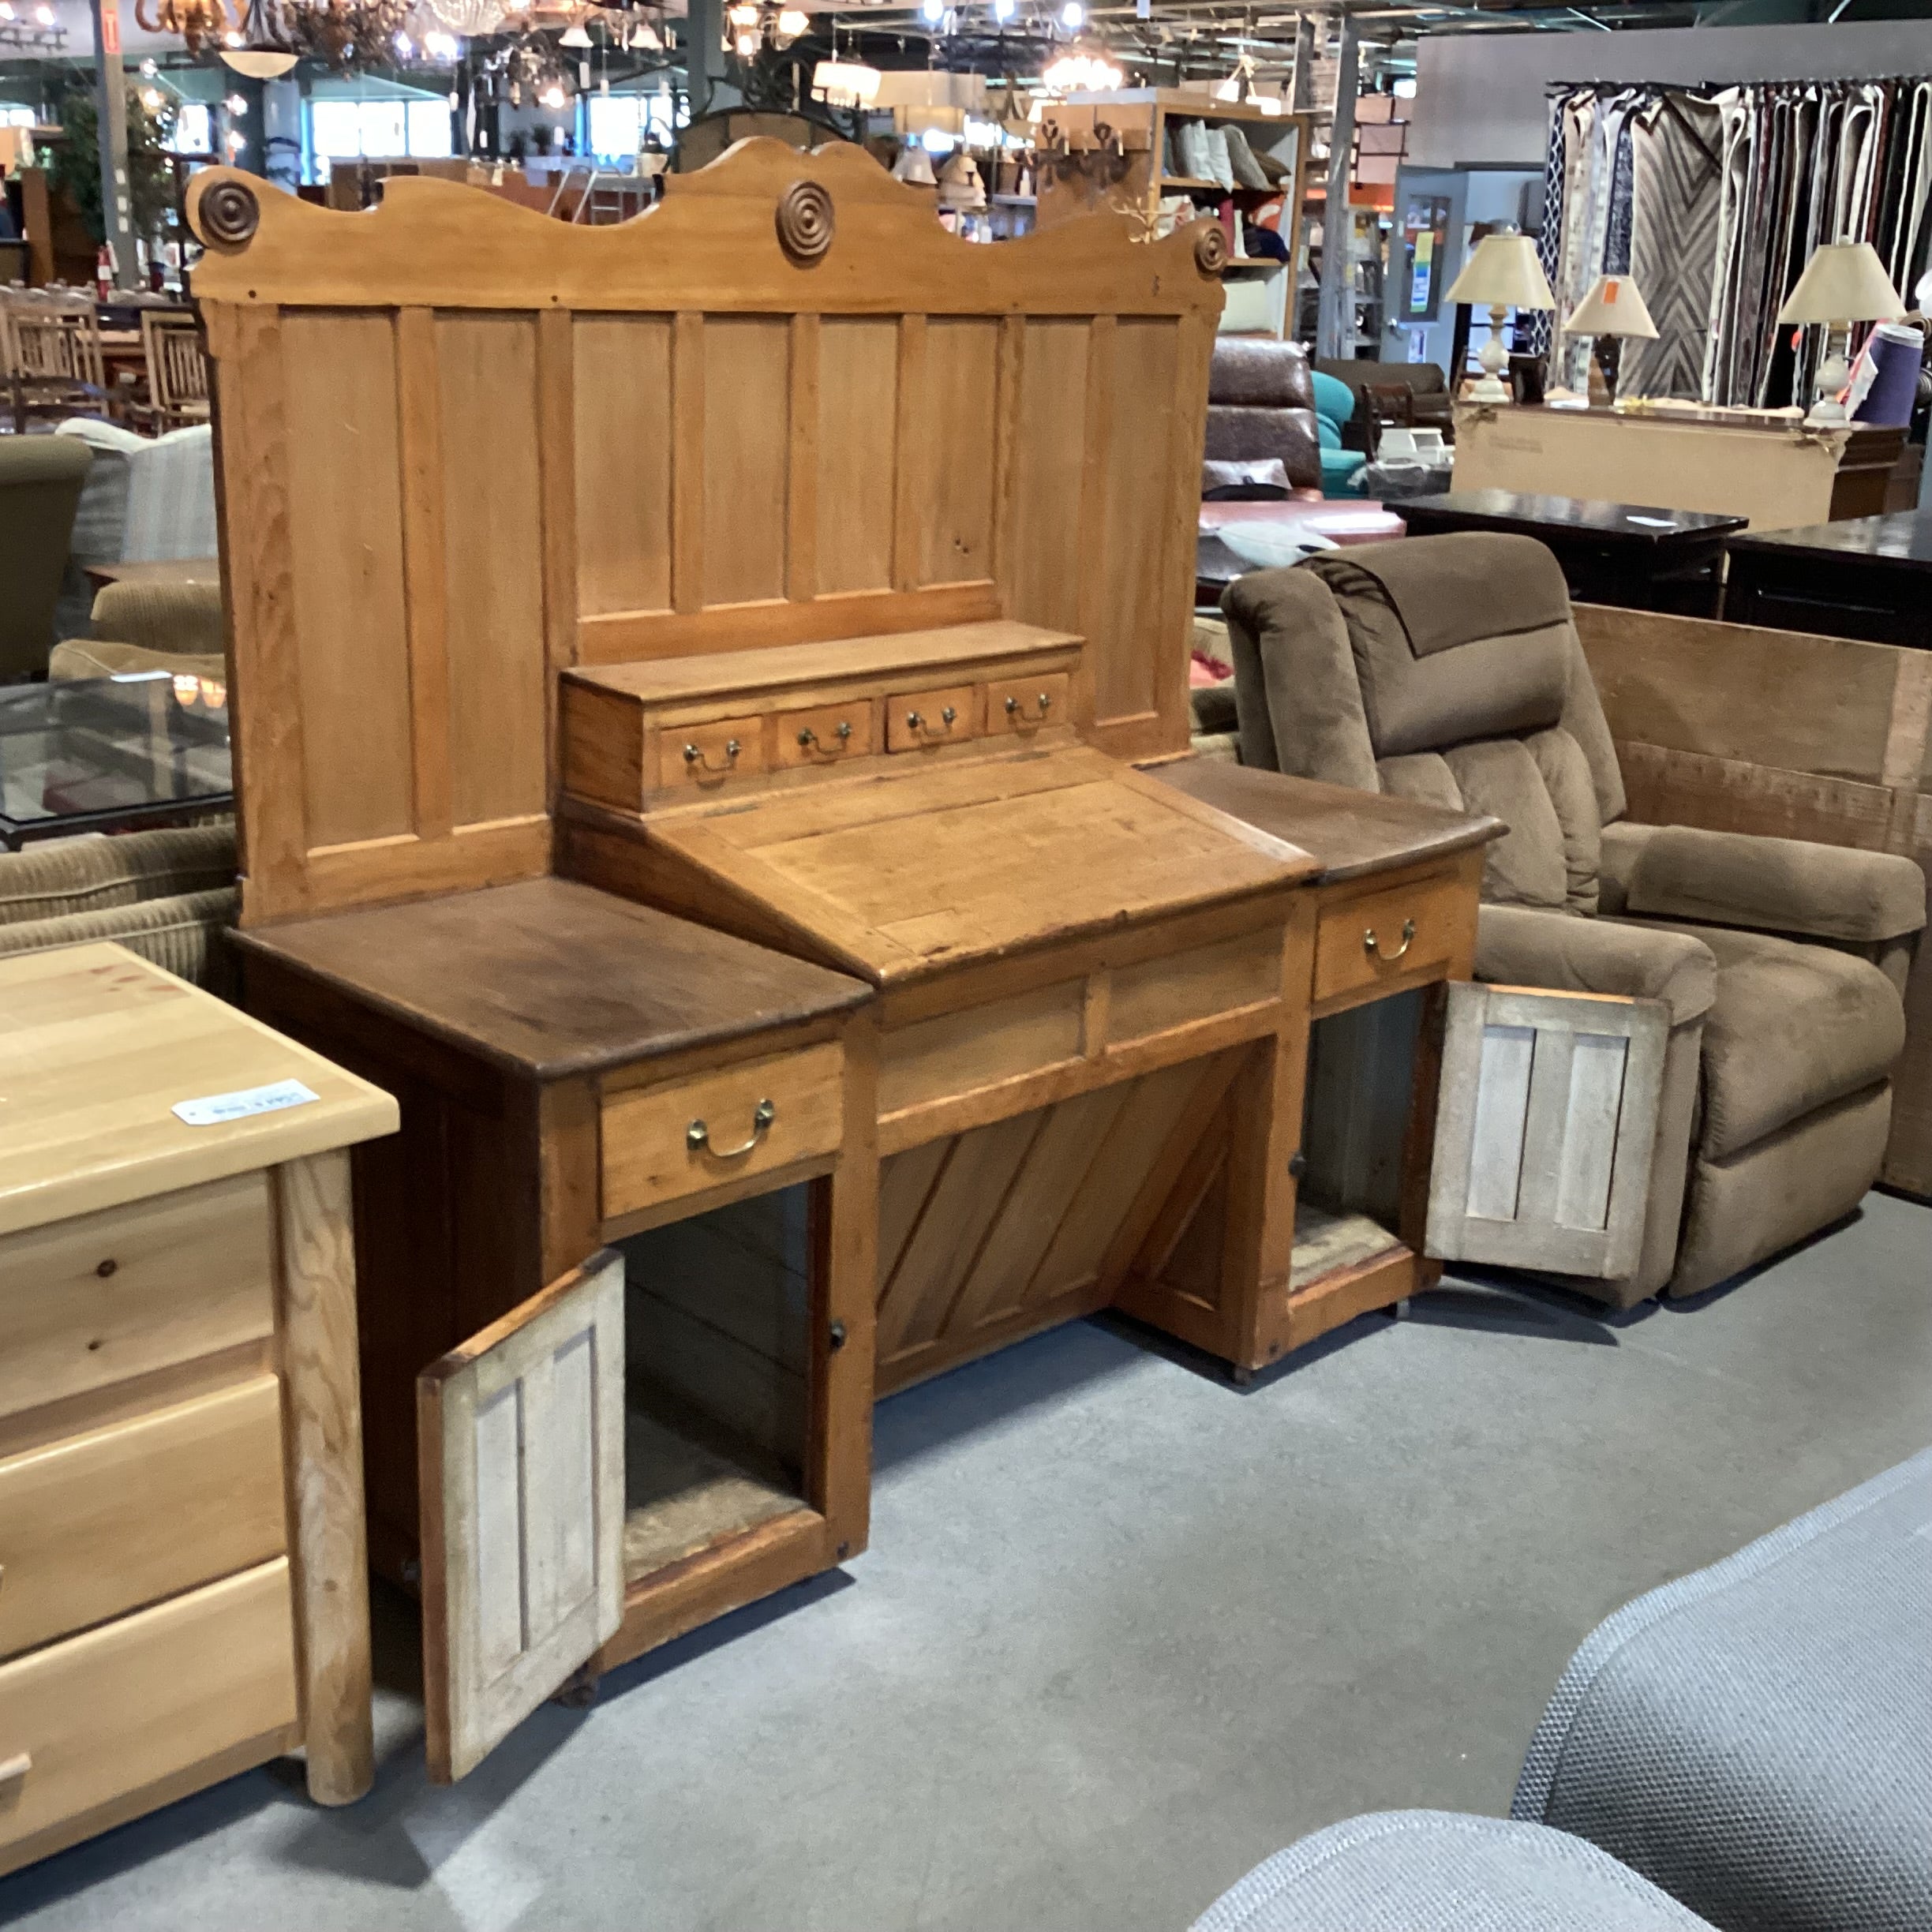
(908, 468)
(346, 540)
(252, 468)
(1012, 349)
(747, 376)
(958, 445)
(556, 449)
(1130, 594)
(621, 406)
(801, 473)
(423, 539)
(688, 462)
(494, 575)
(1502, 1108)
(1043, 584)
(857, 416)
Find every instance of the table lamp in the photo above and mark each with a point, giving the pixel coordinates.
(1504, 273)
(1844, 282)
(1613, 307)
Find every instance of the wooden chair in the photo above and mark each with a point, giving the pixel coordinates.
(178, 373)
(53, 352)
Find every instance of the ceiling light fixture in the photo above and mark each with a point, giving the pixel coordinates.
(1081, 74)
(1073, 15)
(575, 36)
(845, 83)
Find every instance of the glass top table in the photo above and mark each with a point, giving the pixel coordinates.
(92, 755)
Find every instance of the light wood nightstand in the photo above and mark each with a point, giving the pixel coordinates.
(183, 1582)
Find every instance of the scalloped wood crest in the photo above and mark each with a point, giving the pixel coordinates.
(464, 446)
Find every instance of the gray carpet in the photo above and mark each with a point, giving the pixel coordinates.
(1123, 1632)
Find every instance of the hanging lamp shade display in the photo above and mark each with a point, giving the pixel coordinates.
(961, 188)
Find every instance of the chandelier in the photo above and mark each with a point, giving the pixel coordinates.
(198, 22)
(1081, 74)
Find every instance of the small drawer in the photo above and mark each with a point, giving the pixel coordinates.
(827, 736)
(916, 719)
(1021, 706)
(143, 1710)
(1184, 990)
(706, 757)
(92, 1301)
(96, 1526)
(661, 1143)
(1415, 927)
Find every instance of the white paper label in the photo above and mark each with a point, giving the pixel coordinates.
(217, 1108)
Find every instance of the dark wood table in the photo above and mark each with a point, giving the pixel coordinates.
(1625, 554)
(1869, 577)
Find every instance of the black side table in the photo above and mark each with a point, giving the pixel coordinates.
(1868, 577)
(1626, 554)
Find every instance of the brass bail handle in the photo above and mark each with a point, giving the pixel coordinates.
(1408, 939)
(843, 731)
(694, 756)
(1045, 704)
(917, 723)
(698, 1135)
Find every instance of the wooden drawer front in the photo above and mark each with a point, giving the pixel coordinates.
(650, 1154)
(98, 1525)
(827, 735)
(1164, 995)
(956, 1054)
(1441, 910)
(706, 757)
(90, 1301)
(929, 708)
(103, 1719)
(1020, 706)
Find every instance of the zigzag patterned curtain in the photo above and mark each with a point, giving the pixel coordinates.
(1713, 200)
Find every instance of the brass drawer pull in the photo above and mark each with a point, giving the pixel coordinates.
(1045, 704)
(698, 1135)
(808, 737)
(918, 724)
(694, 756)
(1370, 946)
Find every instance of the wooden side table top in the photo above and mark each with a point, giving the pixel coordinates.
(160, 571)
(1902, 540)
(548, 978)
(1639, 526)
(1352, 834)
(97, 1047)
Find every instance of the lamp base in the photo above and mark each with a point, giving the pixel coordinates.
(1833, 373)
(1493, 358)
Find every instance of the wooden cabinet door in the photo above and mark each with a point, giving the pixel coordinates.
(520, 1441)
(1545, 1119)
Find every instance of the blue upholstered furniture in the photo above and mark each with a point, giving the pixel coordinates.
(1757, 1738)
(1437, 1871)
(1334, 403)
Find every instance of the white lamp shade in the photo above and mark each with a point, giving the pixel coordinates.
(1504, 273)
(258, 63)
(1842, 282)
(1613, 307)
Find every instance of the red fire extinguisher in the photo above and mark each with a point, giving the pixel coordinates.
(103, 272)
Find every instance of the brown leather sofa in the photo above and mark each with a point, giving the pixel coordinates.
(1430, 405)
(1261, 404)
(1447, 668)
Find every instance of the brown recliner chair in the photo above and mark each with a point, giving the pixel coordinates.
(1261, 403)
(1447, 668)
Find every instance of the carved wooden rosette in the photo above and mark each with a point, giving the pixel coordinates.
(805, 222)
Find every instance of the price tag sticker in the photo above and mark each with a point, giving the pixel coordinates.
(215, 1110)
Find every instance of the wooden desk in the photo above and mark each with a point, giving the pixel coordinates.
(1628, 554)
(1870, 577)
(1410, 875)
(1777, 474)
(551, 1047)
(180, 1519)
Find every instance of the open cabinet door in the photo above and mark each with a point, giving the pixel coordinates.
(1545, 1119)
(520, 1447)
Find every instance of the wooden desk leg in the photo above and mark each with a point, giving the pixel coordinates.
(845, 1282)
(322, 1431)
(1419, 1138)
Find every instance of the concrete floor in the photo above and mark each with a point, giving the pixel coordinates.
(1123, 1631)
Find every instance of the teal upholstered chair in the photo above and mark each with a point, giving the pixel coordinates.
(1334, 403)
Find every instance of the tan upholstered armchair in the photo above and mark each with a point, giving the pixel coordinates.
(1447, 668)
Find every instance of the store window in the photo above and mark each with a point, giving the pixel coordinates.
(379, 130)
(194, 131)
(618, 123)
(18, 117)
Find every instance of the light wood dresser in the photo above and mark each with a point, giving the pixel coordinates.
(183, 1589)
